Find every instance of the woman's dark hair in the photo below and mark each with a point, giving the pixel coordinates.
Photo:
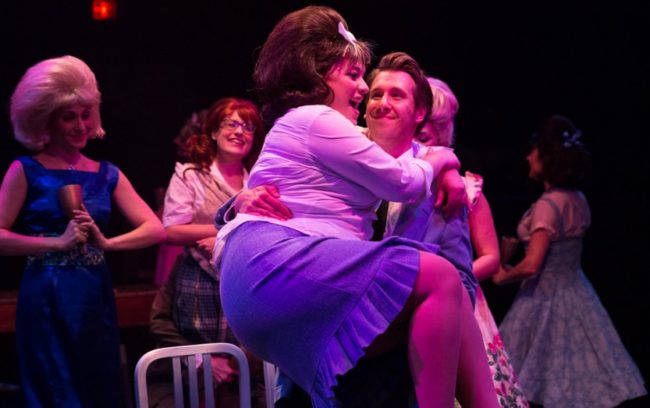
(565, 160)
(195, 143)
(297, 55)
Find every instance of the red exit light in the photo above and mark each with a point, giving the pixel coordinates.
(104, 9)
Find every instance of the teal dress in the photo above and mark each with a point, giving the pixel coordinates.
(66, 324)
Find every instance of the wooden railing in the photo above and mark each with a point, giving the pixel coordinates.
(133, 306)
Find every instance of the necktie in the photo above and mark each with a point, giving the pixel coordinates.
(379, 225)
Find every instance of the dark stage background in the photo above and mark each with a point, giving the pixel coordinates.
(510, 67)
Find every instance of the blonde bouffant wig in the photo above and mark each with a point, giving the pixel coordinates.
(47, 87)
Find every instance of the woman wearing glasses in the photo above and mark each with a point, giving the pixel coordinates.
(218, 158)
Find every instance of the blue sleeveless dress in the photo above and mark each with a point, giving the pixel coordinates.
(66, 324)
(560, 338)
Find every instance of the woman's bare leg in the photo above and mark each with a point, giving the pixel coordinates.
(443, 339)
(435, 332)
(474, 384)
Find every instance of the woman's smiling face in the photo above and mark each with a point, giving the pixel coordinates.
(349, 88)
(70, 127)
(234, 137)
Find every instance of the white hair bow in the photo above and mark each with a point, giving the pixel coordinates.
(571, 139)
(349, 37)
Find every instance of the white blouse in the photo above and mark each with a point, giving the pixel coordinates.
(185, 199)
(330, 175)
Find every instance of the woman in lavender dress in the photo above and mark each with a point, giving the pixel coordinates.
(311, 294)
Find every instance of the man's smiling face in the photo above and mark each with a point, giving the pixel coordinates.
(391, 111)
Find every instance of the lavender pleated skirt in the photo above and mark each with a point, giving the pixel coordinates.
(311, 305)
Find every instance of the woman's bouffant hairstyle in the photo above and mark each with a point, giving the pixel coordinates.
(565, 160)
(190, 135)
(444, 109)
(296, 57)
(195, 143)
(401, 61)
(47, 87)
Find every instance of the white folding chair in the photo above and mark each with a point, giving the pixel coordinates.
(187, 354)
(271, 387)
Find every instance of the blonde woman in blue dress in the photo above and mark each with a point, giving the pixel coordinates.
(66, 324)
(439, 131)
